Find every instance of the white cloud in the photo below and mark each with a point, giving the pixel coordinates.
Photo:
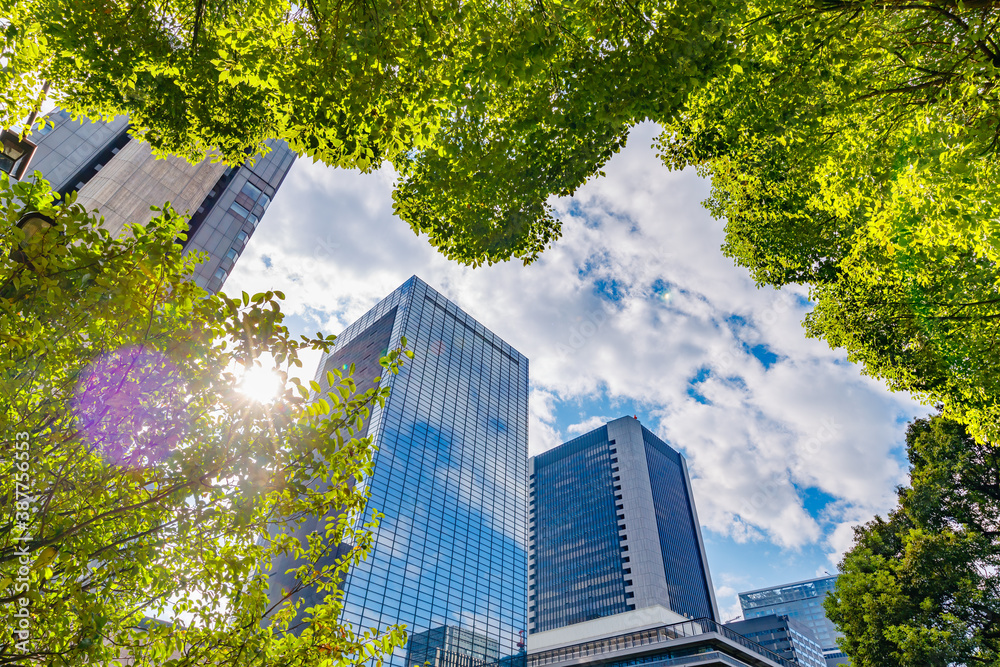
(587, 425)
(541, 415)
(634, 305)
(844, 518)
(729, 604)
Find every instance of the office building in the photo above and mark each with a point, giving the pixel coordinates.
(801, 602)
(449, 557)
(641, 637)
(613, 529)
(120, 177)
(784, 636)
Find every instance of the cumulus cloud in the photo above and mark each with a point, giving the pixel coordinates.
(729, 604)
(587, 425)
(541, 418)
(635, 304)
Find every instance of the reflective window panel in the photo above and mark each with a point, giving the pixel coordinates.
(450, 555)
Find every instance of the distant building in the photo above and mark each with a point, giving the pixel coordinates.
(613, 529)
(802, 602)
(120, 177)
(449, 557)
(783, 636)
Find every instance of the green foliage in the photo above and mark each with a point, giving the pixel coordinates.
(852, 146)
(154, 483)
(486, 110)
(547, 105)
(922, 587)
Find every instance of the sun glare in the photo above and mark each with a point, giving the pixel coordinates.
(260, 384)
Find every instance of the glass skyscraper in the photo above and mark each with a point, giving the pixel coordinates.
(614, 529)
(784, 636)
(450, 554)
(802, 602)
(119, 176)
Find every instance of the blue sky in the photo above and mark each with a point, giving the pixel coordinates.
(634, 311)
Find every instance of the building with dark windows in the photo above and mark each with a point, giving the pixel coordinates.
(785, 637)
(120, 177)
(449, 556)
(613, 529)
(801, 602)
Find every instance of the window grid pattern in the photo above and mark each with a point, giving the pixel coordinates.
(802, 602)
(74, 151)
(233, 209)
(364, 352)
(783, 636)
(69, 154)
(448, 646)
(578, 566)
(450, 478)
(687, 584)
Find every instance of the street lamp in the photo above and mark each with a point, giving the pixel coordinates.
(31, 224)
(15, 153)
(34, 222)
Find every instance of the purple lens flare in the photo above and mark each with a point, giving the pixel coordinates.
(130, 407)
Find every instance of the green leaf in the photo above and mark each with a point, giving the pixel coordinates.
(182, 521)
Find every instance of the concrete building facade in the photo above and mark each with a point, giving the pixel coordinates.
(650, 637)
(120, 177)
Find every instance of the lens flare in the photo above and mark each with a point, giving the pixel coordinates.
(130, 407)
(260, 385)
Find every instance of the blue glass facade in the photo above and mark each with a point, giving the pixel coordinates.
(578, 564)
(363, 351)
(802, 602)
(613, 529)
(450, 646)
(783, 636)
(450, 554)
(684, 567)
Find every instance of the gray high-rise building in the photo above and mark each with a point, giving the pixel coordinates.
(449, 557)
(120, 177)
(802, 602)
(613, 530)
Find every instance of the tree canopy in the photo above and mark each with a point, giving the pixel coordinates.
(485, 109)
(145, 495)
(921, 588)
(852, 146)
